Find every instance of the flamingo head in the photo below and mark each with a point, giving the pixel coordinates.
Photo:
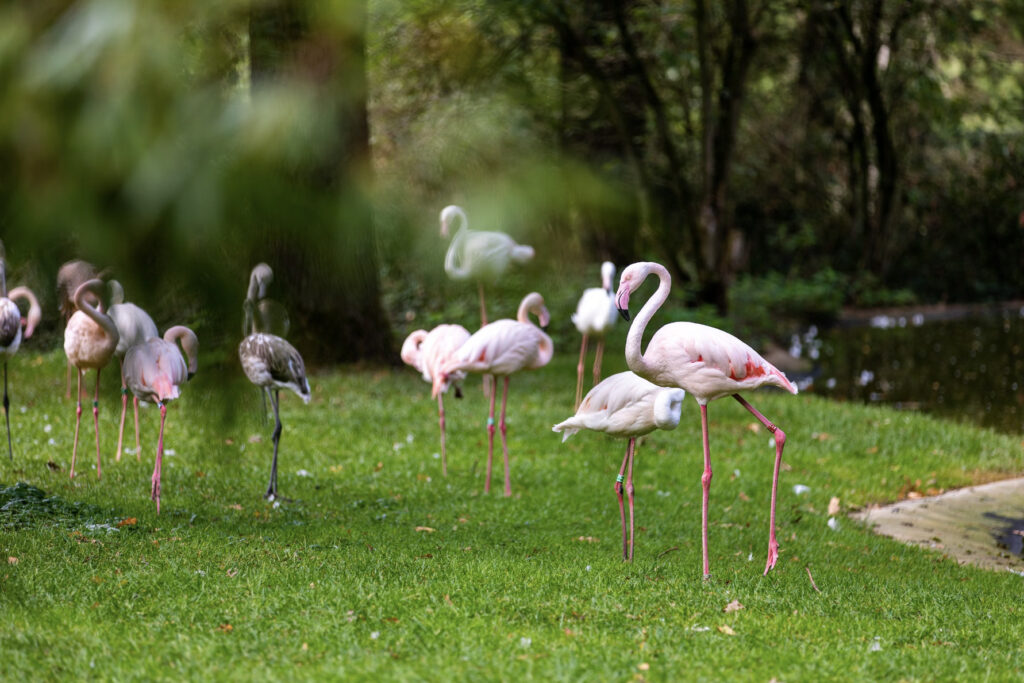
(632, 277)
(607, 276)
(668, 405)
(260, 278)
(448, 215)
(411, 348)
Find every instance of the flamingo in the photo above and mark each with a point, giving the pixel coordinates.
(90, 340)
(708, 364)
(478, 255)
(502, 348)
(595, 315)
(134, 326)
(11, 333)
(625, 405)
(428, 352)
(268, 315)
(69, 277)
(272, 363)
(155, 370)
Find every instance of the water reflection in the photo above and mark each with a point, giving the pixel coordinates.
(969, 369)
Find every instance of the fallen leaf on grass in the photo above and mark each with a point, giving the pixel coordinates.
(127, 521)
(379, 467)
(225, 628)
(724, 628)
(833, 506)
(733, 606)
(744, 497)
(232, 573)
(643, 666)
(53, 466)
(12, 560)
(234, 506)
(588, 539)
(428, 529)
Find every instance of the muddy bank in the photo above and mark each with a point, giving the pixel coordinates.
(980, 525)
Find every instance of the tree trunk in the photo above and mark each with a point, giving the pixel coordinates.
(318, 234)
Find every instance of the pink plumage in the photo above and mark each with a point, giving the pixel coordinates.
(708, 364)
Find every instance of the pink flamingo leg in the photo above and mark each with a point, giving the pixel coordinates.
(78, 422)
(138, 446)
(780, 443)
(504, 442)
(618, 492)
(67, 381)
(96, 422)
(598, 356)
(155, 491)
(705, 481)
(490, 445)
(440, 420)
(483, 308)
(629, 494)
(124, 411)
(579, 372)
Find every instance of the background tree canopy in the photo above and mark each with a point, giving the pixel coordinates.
(856, 151)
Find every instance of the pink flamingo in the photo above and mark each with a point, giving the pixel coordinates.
(134, 326)
(625, 405)
(595, 315)
(271, 362)
(478, 255)
(155, 370)
(11, 334)
(707, 363)
(70, 276)
(428, 352)
(90, 340)
(502, 348)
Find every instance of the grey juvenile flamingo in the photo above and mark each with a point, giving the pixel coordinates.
(134, 327)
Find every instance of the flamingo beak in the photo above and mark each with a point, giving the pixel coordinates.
(622, 303)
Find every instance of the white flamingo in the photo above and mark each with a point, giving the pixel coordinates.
(707, 363)
(625, 405)
(502, 348)
(595, 315)
(90, 340)
(11, 333)
(69, 277)
(155, 371)
(272, 364)
(134, 326)
(478, 255)
(428, 352)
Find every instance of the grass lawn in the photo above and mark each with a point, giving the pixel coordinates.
(382, 569)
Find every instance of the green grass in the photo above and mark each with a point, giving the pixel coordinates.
(341, 584)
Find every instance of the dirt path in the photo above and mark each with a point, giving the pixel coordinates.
(981, 525)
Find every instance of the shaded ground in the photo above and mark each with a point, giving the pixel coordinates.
(979, 525)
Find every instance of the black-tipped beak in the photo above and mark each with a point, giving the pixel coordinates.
(624, 312)
(190, 376)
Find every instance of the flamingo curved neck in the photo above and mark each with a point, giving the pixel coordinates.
(452, 264)
(100, 318)
(3, 278)
(634, 357)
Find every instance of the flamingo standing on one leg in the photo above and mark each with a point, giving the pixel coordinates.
(501, 349)
(272, 363)
(428, 352)
(595, 315)
(708, 364)
(155, 371)
(134, 326)
(625, 405)
(90, 340)
(11, 334)
(478, 255)
(70, 277)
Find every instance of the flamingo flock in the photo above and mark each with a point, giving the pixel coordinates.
(681, 358)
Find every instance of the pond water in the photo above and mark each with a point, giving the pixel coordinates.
(969, 369)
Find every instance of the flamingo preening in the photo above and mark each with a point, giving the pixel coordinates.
(595, 315)
(625, 405)
(154, 370)
(134, 326)
(502, 348)
(272, 364)
(11, 333)
(427, 352)
(70, 277)
(90, 340)
(707, 363)
(478, 255)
